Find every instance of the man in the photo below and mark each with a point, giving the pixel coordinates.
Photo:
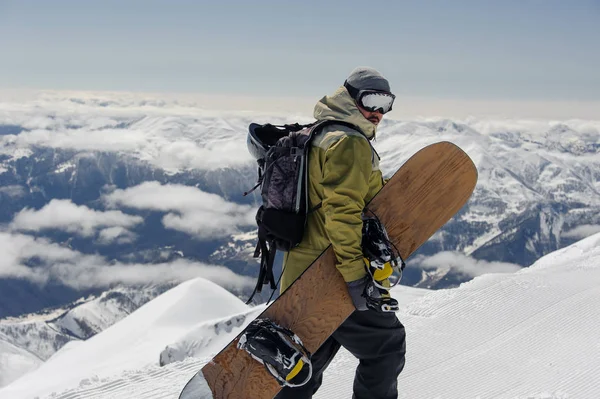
(343, 176)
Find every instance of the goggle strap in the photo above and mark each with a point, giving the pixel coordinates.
(353, 91)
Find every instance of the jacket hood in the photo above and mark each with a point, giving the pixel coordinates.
(341, 107)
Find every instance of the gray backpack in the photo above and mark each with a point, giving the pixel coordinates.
(282, 155)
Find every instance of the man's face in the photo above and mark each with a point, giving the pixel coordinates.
(373, 117)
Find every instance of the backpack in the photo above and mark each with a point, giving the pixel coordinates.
(282, 155)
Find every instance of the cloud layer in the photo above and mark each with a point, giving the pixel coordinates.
(189, 209)
(80, 271)
(12, 191)
(582, 231)
(167, 135)
(116, 234)
(72, 218)
(464, 264)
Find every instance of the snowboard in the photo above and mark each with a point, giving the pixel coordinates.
(428, 190)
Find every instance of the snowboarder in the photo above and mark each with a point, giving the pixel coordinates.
(344, 175)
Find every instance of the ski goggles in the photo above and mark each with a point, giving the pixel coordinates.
(372, 100)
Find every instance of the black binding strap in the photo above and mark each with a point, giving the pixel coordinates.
(266, 250)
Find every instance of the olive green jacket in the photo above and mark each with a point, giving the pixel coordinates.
(343, 175)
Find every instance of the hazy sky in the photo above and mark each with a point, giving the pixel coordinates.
(517, 50)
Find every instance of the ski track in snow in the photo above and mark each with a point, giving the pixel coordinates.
(528, 335)
(152, 382)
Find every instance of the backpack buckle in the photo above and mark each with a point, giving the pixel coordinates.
(295, 151)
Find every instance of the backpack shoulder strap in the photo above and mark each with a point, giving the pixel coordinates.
(319, 125)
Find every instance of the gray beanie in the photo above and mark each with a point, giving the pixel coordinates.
(366, 78)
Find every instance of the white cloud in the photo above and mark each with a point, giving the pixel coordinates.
(163, 142)
(67, 216)
(165, 134)
(464, 264)
(190, 210)
(12, 191)
(17, 249)
(80, 271)
(178, 270)
(582, 231)
(195, 103)
(178, 131)
(83, 139)
(116, 234)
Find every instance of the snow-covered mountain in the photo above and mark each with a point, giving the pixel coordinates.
(100, 157)
(529, 334)
(139, 339)
(36, 337)
(96, 314)
(15, 361)
(105, 190)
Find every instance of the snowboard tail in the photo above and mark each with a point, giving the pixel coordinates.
(418, 200)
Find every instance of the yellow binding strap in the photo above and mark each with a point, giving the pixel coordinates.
(295, 370)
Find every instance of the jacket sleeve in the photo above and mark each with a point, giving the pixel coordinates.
(346, 172)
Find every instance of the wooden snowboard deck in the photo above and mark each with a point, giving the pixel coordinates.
(421, 197)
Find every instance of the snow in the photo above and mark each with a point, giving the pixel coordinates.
(208, 338)
(96, 317)
(64, 167)
(134, 342)
(95, 314)
(37, 337)
(529, 334)
(504, 335)
(14, 361)
(42, 334)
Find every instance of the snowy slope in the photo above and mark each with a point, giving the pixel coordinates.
(532, 334)
(208, 338)
(34, 335)
(42, 334)
(135, 341)
(97, 313)
(14, 361)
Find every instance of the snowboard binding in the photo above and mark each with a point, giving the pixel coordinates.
(279, 350)
(379, 299)
(381, 256)
(382, 259)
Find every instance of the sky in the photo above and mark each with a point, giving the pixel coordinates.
(533, 51)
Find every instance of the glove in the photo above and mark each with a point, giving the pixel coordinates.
(356, 290)
(366, 295)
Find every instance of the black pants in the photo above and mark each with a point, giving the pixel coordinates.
(377, 340)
